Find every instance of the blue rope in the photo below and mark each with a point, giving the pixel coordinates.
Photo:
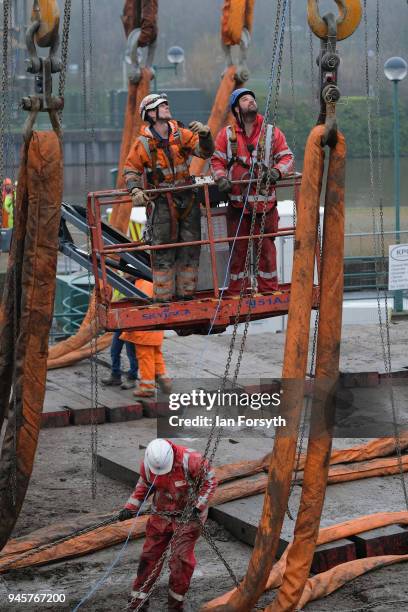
(107, 573)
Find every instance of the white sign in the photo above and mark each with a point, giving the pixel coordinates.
(398, 267)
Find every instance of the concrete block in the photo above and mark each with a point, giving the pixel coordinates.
(57, 417)
(331, 554)
(153, 409)
(241, 527)
(124, 413)
(360, 379)
(390, 540)
(83, 416)
(126, 473)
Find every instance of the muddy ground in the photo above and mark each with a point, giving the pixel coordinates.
(60, 489)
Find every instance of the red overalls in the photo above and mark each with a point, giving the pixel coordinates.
(171, 493)
(223, 164)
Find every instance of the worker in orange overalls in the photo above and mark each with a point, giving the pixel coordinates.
(148, 344)
(160, 157)
(8, 197)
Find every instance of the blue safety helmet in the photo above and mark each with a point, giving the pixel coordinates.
(237, 94)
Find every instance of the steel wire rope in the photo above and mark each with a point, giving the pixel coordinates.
(279, 34)
(376, 195)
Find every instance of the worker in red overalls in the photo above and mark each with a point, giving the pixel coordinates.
(169, 471)
(242, 151)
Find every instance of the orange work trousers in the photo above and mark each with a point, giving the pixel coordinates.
(151, 364)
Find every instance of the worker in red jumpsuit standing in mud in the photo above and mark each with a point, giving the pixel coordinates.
(237, 157)
(169, 471)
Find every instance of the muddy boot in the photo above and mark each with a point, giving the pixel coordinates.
(164, 383)
(134, 603)
(112, 381)
(145, 393)
(175, 605)
(128, 384)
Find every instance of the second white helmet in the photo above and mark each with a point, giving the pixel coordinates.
(151, 102)
(159, 457)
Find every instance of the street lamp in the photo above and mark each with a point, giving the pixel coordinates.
(395, 69)
(175, 56)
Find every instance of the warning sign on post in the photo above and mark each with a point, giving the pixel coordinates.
(398, 267)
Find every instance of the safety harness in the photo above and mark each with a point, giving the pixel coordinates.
(151, 146)
(265, 144)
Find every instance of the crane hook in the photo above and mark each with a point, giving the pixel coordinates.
(347, 22)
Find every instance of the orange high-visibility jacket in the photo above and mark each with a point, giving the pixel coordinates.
(147, 338)
(171, 163)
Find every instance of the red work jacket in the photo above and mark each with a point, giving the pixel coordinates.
(171, 491)
(247, 154)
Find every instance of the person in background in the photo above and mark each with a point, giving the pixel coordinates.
(115, 378)
(148, 344)
(8, 203)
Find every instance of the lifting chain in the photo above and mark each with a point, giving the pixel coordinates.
(43, 31)
(187, 512)
(64, 47)
(75, 534)
(376, 195)
(87, 96)
(4, 104)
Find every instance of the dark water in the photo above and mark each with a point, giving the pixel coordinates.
(358, 192)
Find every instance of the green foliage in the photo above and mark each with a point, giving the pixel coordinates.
(352, 121)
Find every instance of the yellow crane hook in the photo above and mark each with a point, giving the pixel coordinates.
(47, 13)
(347, 22)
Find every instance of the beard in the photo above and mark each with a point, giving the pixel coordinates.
(249, 115)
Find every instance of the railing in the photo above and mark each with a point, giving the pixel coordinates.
(363, 270)
(112, 198)
(68, 321)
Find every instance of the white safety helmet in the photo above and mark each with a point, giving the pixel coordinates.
(159, 457)
(151, 102)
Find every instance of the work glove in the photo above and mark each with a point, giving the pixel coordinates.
(224, 185)
(139, 197)
(274, 175)
(199, 128)
(126, 514)
(196, 515)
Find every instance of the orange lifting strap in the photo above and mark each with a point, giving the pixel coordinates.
(294, 372)
(47, 13)
(141, 14)
(236, 15)
(26, 317)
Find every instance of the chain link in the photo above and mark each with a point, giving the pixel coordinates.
(379, 250)
(44, 547)
(4, 94)
(64, 47)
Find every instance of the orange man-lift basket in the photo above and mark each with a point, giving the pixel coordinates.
(210, 310)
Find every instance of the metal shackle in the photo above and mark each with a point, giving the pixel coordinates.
(347, 22)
